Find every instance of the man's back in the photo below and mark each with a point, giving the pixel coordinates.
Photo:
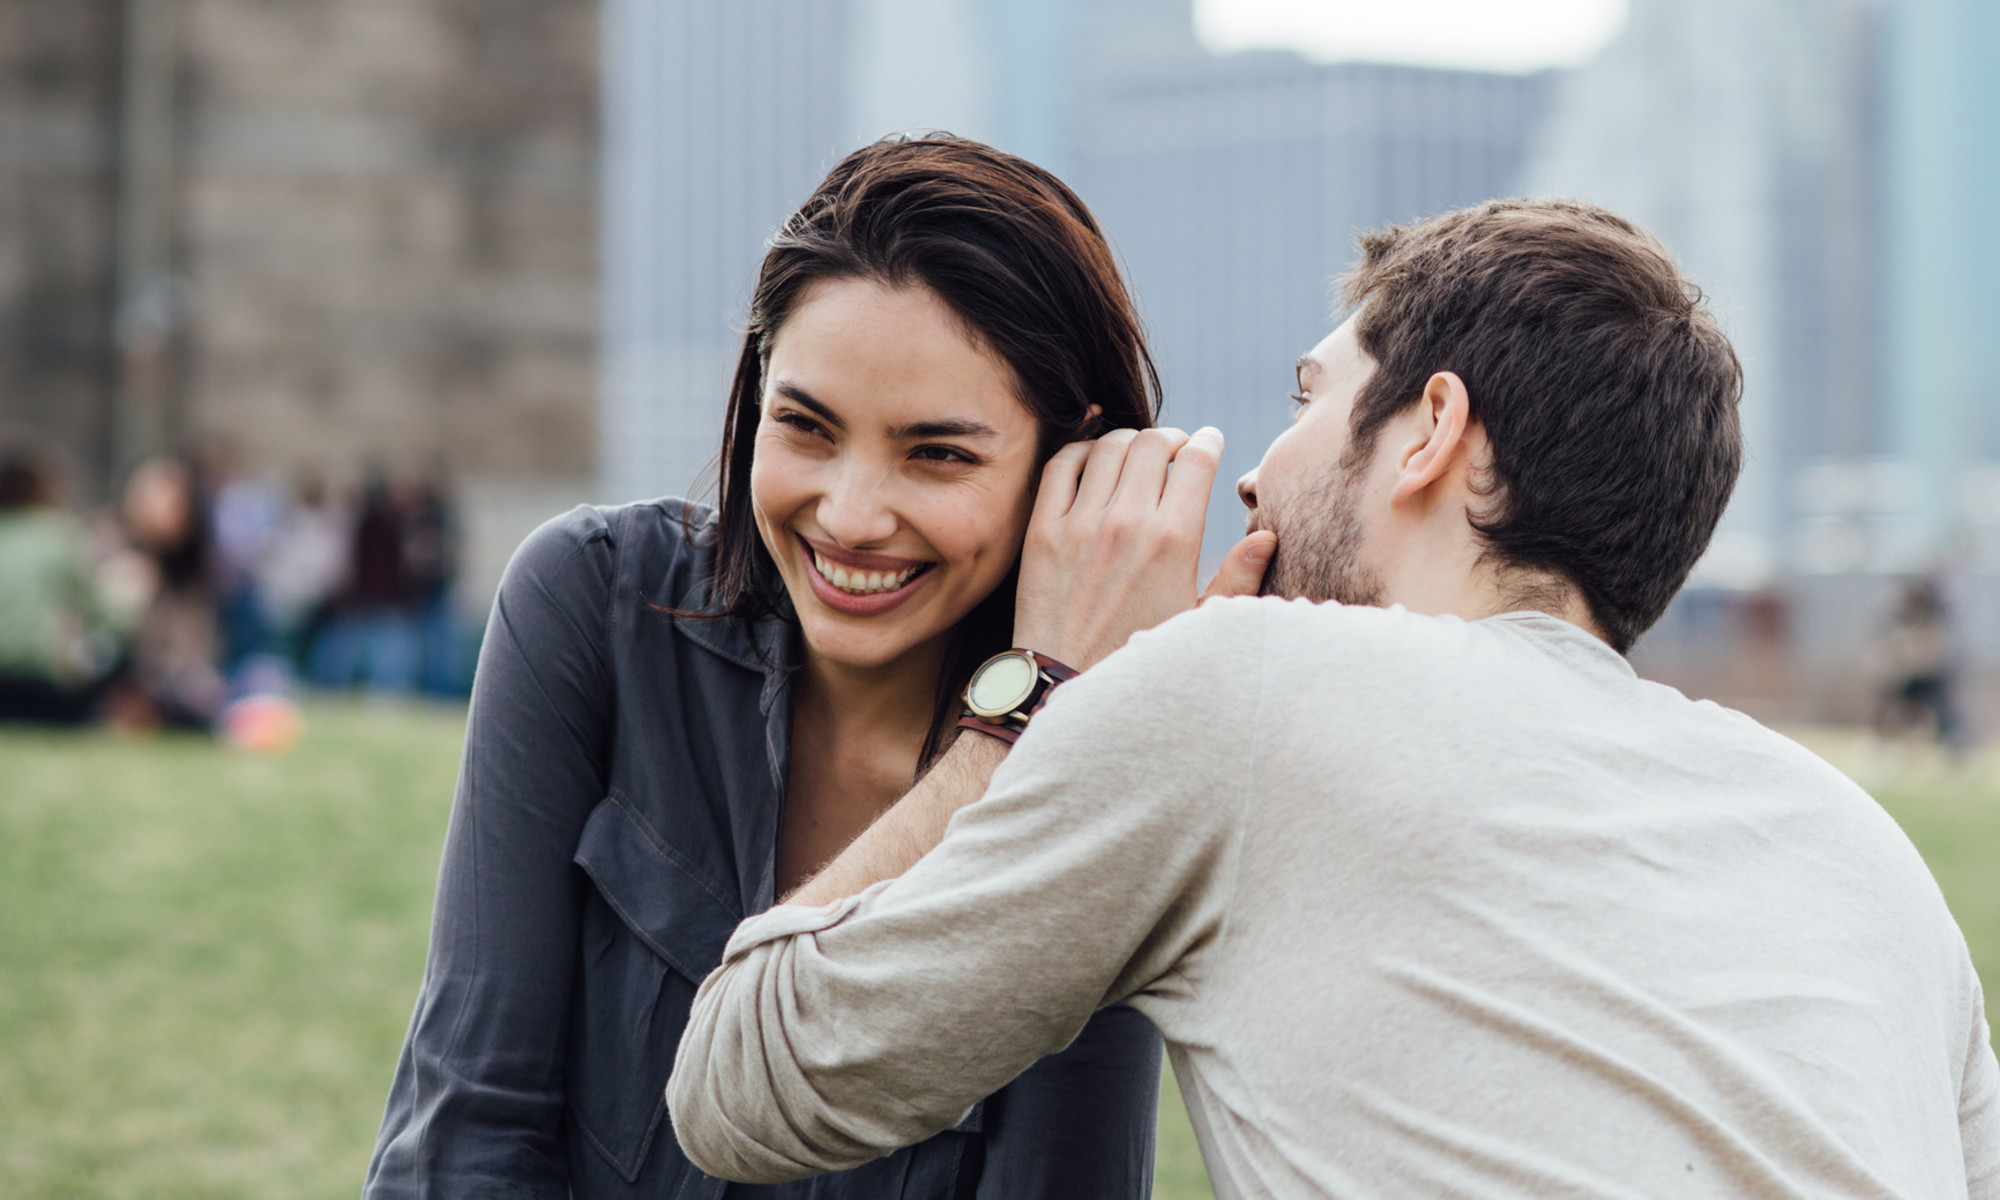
(1422, 907)
(1503, 919)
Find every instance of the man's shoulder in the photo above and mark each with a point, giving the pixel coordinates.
(1304, 630)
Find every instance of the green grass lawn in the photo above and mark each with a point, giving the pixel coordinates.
(207, 960)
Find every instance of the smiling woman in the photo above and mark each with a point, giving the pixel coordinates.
(681, 713)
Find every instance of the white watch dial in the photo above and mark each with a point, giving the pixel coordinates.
(1002, 685)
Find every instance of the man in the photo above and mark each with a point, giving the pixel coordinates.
(1428, 893)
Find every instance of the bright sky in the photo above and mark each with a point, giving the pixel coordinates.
(1486, 35)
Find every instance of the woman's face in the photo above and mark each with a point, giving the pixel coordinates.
(893, 469)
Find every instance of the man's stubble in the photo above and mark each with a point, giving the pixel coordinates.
(1319, 541)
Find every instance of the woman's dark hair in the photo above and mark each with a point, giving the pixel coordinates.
(1018, 259)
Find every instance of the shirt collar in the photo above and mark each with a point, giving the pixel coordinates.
(767, 644)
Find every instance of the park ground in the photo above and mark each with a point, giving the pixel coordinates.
(207, 959)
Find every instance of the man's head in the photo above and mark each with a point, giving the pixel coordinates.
(1530, 408)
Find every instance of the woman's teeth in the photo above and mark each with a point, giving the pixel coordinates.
(862, 583)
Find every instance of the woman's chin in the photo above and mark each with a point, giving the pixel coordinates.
(855, 652)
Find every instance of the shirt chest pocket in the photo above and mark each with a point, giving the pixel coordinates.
(650, 934)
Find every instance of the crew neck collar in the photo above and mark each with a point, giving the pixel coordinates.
(1563, 638)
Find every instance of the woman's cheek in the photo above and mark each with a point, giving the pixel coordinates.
(777, 480)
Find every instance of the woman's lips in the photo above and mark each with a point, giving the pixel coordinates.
(825, 575)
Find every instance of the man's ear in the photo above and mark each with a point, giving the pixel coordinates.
(1444, 413)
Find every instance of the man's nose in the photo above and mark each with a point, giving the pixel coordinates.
(854, 511)
(1246, 488)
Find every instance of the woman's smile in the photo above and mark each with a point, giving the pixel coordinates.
(861, 585)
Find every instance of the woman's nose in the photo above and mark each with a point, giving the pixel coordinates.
(854, 512)
(1246, 488)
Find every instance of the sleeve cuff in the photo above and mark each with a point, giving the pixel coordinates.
(791, 920)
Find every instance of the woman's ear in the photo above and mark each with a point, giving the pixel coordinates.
(1445, 413)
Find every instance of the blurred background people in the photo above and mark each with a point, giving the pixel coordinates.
(1919, 693)
(61, 631)
(244, 515)
(392, 628)
(371, 636)
(307, 564)
(430, 558)
(175, 678)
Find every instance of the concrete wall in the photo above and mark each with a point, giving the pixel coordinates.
(388, 217)
(58, 154)
(383, 218)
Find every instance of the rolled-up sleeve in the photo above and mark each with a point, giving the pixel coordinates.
(477, 1104)
(1094, 864)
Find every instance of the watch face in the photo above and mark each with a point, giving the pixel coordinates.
(1002, 685)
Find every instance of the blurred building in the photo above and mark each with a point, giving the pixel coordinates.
(719, 117)
(59, 69)
(325, 233)
(1941, 271)
(1823, 168)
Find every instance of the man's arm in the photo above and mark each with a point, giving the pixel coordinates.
(912, 827)
(1094, 868)
(1112, 548)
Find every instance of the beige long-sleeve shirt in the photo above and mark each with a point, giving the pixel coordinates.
(1422, 907)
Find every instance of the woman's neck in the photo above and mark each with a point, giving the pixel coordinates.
(890, 703)
(856, 737)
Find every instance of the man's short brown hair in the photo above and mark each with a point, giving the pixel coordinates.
(1607, 390)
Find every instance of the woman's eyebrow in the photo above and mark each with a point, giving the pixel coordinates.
(945, 427)
(797, 394)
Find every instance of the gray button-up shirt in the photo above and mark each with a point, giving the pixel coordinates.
(616, 817)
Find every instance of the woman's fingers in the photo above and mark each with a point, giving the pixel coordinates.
(1195, 462)
(1059, 480)
(1144, 476)
(1100, 474)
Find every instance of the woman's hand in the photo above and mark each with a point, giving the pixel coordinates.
(1115, 541)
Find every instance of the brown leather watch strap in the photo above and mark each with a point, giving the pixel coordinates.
(1009, 731)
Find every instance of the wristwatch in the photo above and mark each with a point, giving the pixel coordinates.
(1008, 689)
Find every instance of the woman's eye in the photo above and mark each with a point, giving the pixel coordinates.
(800, 423)
(1299, 403)
(943, 454)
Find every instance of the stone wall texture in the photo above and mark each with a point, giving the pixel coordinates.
(58, 157)
(384, 216)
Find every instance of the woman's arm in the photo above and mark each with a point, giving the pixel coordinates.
(477, 1104)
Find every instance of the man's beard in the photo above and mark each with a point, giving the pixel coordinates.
(1319, 543)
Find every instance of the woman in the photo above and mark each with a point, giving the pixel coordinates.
(680, 714)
